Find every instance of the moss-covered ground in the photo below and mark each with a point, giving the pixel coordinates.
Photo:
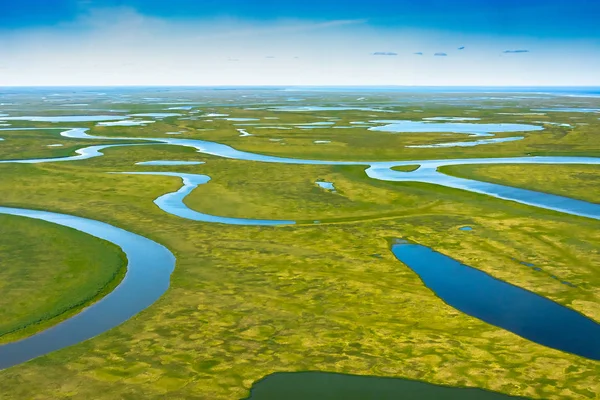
(245, 302)
(49, 272)
(575, 181)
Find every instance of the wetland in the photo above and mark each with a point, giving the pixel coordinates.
(225, 261)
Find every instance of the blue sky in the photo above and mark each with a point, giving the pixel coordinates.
(311, 42)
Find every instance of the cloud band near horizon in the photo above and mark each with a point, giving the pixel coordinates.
(131, 42)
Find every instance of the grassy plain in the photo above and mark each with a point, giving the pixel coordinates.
(406, 168)
(575, 181)
(39, 144)
(49, 272)
(360, 144)
(246, 302)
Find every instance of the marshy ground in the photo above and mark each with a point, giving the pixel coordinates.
(245, 302)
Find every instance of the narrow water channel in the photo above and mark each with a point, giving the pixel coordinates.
(149, 267)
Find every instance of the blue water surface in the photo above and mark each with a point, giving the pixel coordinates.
(499, 303)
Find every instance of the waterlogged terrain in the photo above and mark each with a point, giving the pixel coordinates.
(277, 219)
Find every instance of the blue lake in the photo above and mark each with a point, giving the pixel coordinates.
(475, 129)
(451, 119)
(499, 303)
(240, 119)
(169, 162)
(155, 115)
(125, 123)
(331, 386)
(326, 108)
(467, 144)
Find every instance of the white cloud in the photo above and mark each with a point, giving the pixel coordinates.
(119, 46)
(280, 27)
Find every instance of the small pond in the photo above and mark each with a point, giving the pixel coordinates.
(325, 185)
(169, 162)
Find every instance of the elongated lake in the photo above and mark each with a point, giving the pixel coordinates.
(330, 386)
(499, 303)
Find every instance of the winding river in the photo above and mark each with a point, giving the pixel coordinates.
(382, 170)
(150, 264)
(172, 203)
(149, 267)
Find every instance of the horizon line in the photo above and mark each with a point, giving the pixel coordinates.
(298, 86)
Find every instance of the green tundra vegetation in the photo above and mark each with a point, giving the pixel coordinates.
(575, 181)
(39, 144)
(246, 302)
(406, 168)
(49, 272)
(360, 144)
